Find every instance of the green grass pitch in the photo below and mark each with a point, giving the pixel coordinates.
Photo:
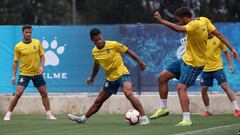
(116, 125)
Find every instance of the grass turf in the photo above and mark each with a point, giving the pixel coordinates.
(115, 125)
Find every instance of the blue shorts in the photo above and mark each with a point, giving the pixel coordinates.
(208, 77)
(186, 74)
(111, 87)
(37, 80)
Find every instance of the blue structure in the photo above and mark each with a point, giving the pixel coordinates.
(69, 60)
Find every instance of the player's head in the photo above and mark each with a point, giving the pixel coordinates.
(27, 32)
(183, 14)
(96, 37)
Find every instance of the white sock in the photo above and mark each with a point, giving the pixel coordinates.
(186, 116)
(163, 103)
(144, 117)
(8, 113)
(235, 105)
(48, 113)
(208, 109)
(83, 118)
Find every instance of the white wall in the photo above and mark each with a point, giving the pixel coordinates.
(117, 104)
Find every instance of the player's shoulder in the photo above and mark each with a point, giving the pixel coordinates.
(34, 40)
(110, 42)
(205, 19)
(19, 44)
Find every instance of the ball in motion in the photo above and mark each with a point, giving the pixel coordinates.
(132, 117)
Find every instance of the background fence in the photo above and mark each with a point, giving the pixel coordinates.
(69, 60)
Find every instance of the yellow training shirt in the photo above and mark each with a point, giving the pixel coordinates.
(197, 35)
(209, 25)
(109, 57)
(29, 55)
(214, 58)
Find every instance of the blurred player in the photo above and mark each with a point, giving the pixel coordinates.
(31, 55)
(214, 70)
(108, 55)
(191, 65)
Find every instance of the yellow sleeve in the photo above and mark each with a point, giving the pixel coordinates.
(223, 47)
(208, 23)
(94, 59)
(190, 27)
(16, 54)
(120, 47)
(41, 50)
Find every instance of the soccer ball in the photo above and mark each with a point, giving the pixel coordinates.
(132, 117)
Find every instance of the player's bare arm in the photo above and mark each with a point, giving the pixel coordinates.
(227, 43)
(172, 26)
(14, 71)
(94, 73)
(229, 61)
(135, 57)
(42, 59)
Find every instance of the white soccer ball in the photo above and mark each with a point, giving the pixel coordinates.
(132, 117)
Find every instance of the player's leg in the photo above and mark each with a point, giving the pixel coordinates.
(172, 71)
(184, 102)
(40, 84)
(101, 98)
(21, 85)
(127, 89)
(188, 77)
(206, 82)
(222, 81)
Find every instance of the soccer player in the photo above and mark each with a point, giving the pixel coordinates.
(108, 55)
(192, 63)
(31, 55)
(213, 69)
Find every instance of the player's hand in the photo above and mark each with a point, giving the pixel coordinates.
(235, 55)
(41, 70)
(157, 16)
(13, 80)
(142, 66)
(90, 81)
(231, 69)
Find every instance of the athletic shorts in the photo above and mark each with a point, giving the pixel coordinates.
(186, 74)
(208, 77)
(37, 80)
(111, 87)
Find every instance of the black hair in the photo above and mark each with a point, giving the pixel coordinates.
(183, 12)
(27, 26)
(94, 32)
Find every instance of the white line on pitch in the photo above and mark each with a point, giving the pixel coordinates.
(207, 129)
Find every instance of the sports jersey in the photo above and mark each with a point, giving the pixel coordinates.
(214, 58)
(109, 57)
(29, 56)
(196, 45)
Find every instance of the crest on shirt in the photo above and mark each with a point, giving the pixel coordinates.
(34, 47)
(214, 43)
(108, 50)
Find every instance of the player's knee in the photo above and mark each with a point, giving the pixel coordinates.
(224, 86)
(204, 90)
(43, 94)
(161, 78)
(179, 88)
(128, 93)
